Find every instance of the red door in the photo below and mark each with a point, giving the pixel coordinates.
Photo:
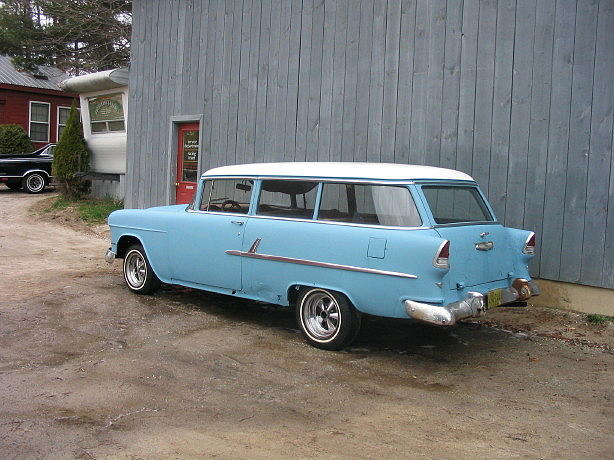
(187, 163)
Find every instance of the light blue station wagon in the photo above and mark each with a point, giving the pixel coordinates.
(335, 240)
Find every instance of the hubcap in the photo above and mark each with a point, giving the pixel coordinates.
(321, 315)
(135, 269)
(35, 183)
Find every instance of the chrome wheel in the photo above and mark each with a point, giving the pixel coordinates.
(135, 269)
(35, 183)
(320, 315)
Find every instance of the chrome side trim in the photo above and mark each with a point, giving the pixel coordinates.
(464, 224)
(347, 224)
(313, 263)
(217, 213)
(28, 172)
(294, 219)
(138, 228)
(27, 160)
(36, 170)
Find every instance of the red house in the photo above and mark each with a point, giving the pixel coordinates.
(34, 101)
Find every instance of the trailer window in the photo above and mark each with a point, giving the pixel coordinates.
(388, 205)
(451, 204)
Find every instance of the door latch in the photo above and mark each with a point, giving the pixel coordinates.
(484, 246)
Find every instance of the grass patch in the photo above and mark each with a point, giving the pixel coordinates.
(92, 211)
(599, 319)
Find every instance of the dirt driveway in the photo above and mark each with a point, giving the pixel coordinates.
(89, 370)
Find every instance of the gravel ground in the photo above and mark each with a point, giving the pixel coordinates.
(89, 370)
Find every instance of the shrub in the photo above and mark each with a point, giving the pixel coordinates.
(71, 158)
(14, 140)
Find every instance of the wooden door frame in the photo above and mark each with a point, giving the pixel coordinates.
(173, 142)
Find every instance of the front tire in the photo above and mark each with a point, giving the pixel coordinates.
(34, 182)
(327, 318)
(138, 274)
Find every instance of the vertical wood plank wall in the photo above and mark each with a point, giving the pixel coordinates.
(517, 93)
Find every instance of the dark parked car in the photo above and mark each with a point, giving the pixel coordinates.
(29, 171)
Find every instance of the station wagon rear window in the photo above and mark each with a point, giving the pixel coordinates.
(287, 198)
(387, 205)
(226, 195)
(451, 204)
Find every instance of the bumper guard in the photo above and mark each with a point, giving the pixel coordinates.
(109, 256)
(472, 306)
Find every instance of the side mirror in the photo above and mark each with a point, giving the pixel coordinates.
(244, 187)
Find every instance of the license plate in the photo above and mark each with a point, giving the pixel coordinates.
(494, 298)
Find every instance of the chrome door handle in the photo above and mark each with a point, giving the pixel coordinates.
(236, 222)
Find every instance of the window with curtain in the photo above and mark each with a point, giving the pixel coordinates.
(39, 121)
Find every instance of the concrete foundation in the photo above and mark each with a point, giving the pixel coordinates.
(568, 296)
(103, 187)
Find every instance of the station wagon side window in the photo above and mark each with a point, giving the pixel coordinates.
(287, 198)
(454, 204)
(387, 205)
(226, 195)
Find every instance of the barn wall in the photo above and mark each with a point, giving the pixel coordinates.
(519, 94)
(15, 109)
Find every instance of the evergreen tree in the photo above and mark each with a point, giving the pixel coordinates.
(77, 36)
(14, 140)
(71, 158)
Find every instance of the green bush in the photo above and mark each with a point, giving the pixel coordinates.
(14, 140)
(71, 158)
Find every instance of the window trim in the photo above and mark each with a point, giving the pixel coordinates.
(198, 198)
(106, 122)
(405, 185)
(48, 104)
(316, 203)
(193, 208)
(57, 129)
(474, 186)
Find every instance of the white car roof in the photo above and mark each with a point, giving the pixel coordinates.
(384, 171)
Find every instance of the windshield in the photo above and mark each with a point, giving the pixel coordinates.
(452, 204)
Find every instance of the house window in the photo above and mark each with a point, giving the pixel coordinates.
(106, 114)
(39, 121)
(63, 113)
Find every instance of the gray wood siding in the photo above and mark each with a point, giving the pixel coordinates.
(517, 93)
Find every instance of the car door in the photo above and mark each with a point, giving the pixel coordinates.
(201, 236)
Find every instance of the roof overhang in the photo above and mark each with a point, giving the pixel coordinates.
(98, 81)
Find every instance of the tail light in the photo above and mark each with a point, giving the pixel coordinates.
(529, 245)
(442, 258)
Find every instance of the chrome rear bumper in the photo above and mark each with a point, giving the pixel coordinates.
(473, 305)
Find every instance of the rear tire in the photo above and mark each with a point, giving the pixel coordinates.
(34, 182)
(138, 274)
(327, 318)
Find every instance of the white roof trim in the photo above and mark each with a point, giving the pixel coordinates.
(384, 171)
(98, 81)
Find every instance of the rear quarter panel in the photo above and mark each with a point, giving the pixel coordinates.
(397, 250)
